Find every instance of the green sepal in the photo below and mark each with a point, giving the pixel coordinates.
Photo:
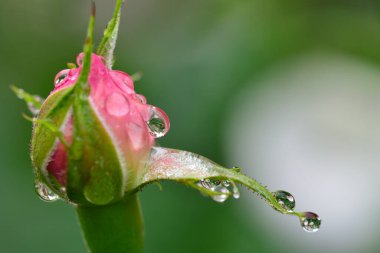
(189, 168)
(71, 65)
(49, 125)
(34, 101)
(137, 76)
(107, 45)
(95, 173)
(55, 110)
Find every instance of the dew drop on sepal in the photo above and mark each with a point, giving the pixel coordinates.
(235, 192)
(285, 200)
(310, 222)
(222, 189)
(158, 123)
(44, 192)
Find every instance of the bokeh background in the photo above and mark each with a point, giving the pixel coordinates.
(288, 90)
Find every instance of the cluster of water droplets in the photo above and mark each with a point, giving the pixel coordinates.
(158, 123)
(44, 192)
(222, 189)
(310, 221)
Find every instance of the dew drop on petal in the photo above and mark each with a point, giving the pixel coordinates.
(61, 76)
(310, 222)
(285, 200)
(44, 192)
(158, 123)
(117, 105)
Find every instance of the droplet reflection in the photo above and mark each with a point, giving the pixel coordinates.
(222, 189)
(158, 123)
(44, 192)
(285, 200)
(310, 222)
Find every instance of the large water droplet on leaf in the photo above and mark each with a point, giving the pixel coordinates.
(285, 200)
(44, 192)
(310, 222)
(158, 123)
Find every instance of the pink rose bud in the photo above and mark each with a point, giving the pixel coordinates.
(114, 131)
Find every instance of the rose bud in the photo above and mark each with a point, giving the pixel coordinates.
(114, 134)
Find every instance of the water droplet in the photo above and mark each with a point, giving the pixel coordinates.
(236, 192)
(117, 105)
(45, 193)
(226, 183)
(158, 123)
(223, 193)
(61, 76)
(222, 189)
(206, 183)
(310, 222)
(285, 200)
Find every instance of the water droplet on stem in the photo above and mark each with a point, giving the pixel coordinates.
(285, 200)
(310, 222)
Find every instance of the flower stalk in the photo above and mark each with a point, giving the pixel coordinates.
(115, 228)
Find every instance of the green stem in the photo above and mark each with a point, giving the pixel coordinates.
(115, 228)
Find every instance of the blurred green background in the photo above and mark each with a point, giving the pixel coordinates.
(201, 59)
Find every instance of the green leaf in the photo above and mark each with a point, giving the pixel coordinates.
(107, 45)
(115, 228)
(192, 169)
